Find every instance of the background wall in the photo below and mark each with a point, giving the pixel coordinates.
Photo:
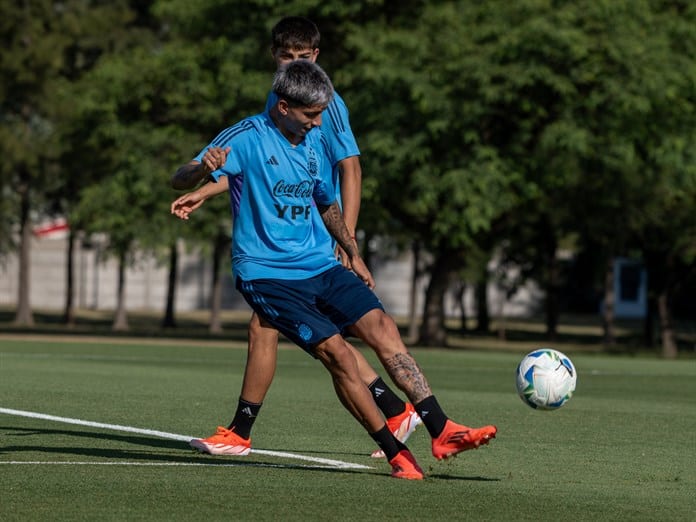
(96, 282)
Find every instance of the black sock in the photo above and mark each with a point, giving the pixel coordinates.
(387, 442)
(386, 399)
(244, 418)
(432, 415)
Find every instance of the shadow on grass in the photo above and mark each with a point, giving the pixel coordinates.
(440, 476)
(187, 456)
(167, 458)
(130, 439)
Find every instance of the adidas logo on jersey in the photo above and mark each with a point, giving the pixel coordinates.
(272, 161)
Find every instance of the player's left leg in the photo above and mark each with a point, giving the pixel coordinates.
(339, 360)
(401, 417)
(258, 376)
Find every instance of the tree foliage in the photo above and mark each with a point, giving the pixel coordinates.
(502, 124)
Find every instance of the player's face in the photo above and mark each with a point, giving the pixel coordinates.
(283, 56)
(300, 120)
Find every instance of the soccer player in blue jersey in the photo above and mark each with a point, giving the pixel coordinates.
(285, 268)
(297, 38)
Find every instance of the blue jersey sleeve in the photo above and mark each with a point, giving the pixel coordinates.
(324, 192)
(232, 167)
(335, 125)
(324, 189)
(223, 140)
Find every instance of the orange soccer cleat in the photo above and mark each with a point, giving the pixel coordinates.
(223, 442)
(401, 426)
(456, 438)
(404, 466)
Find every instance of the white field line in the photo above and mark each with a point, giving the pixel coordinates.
(174, 436)
(227, 464)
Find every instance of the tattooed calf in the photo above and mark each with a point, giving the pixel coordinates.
(406, 373)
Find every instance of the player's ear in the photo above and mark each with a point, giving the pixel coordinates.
(283, 106)
(315, 54)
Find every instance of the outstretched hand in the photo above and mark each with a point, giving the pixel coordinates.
(183, 206)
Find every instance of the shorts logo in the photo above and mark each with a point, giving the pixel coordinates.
(304, 331)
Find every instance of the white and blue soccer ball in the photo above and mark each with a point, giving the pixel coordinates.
(546, 379)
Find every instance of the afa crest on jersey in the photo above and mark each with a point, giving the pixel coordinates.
(312, 162)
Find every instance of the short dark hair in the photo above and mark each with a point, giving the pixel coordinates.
(303, 83)
(295, 32)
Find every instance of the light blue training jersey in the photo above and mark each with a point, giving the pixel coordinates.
(276, 233)
(339, 144)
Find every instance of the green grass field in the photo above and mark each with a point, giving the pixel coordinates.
(624, 448)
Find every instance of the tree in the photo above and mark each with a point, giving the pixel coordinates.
(31, 59)
(45, 43)
(97, 31)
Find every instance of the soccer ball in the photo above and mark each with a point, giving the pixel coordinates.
(546, 379)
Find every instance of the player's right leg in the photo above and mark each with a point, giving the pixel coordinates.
(379, 331)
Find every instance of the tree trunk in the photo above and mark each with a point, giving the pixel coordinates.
(661, 283)
(664, 286)
(669, 344)
(649, 322)
(460, 297)
(413, 293)
(609, 300)
(220, 248)
(69, 310)
(552, 281)
(169, 321)
(432, 329)
(121, 318)
(483, 318)
(24, 315)
(552, 310)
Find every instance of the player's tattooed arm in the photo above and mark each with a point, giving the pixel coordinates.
(189, 175)
(404, 370)
(333, 219)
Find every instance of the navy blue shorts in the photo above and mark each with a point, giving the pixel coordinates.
(307, 311)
